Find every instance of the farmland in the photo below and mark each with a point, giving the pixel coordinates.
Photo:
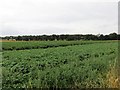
(59, 64)
(22, 45)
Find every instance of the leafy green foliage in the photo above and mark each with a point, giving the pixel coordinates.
(74, 66)
(22, 45)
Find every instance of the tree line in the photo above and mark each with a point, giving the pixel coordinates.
(111, 36)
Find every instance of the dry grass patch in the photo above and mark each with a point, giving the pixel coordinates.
(113, 80)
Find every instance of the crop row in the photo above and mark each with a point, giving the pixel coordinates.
(22, 45)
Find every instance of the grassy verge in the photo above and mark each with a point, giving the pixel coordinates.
(112, 77)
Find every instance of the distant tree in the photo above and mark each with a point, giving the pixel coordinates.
(19, 38)
(118, 36)
(106, 37)
(113, 36)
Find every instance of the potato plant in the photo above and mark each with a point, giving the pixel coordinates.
(77, 66)
(23, 45)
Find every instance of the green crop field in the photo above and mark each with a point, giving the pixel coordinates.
(22, 45)
(59, 64)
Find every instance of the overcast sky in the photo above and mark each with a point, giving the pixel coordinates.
(38, 17)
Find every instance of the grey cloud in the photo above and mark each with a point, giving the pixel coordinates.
(48, 17)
